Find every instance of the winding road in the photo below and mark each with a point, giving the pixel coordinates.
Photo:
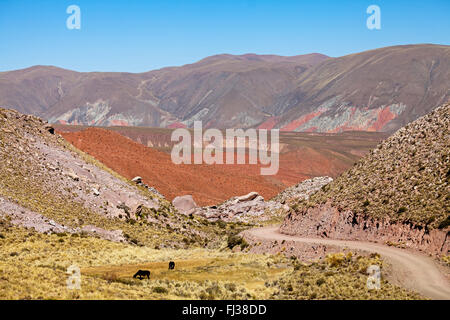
(413, 270)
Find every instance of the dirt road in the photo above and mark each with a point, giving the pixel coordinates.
(413, 270)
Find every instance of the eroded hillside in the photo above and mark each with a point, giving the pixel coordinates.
(375, 90)
(59, 207)
(48, 185)
(398, 194)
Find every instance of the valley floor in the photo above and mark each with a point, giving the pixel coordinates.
(34, 266)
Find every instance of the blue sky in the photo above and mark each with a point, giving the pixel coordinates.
(137, 36)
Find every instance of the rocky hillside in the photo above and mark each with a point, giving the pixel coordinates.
(252, 208)
(376, 90)
(215, 88)
(399, 193)
(302, 190)
(48, 185)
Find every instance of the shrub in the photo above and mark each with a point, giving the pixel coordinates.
(320, 281)
(160, 290)
(230, 286)
(221, 224)
(335, 259)
(235, 240)
(401, 210)
(444, 224)
(125, 208)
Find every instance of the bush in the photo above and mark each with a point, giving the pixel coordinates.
(335, 259)
(160, 290)
(401, 210)
(230, 287)
(320, 281)
(235, 240)
(444, 224)
(221, 224)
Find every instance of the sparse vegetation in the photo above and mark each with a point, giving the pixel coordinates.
(341, 276)
(33, 265)
(37, 270)
(236, 240)
(405, 178)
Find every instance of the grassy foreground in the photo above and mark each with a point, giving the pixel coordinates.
(33, 266)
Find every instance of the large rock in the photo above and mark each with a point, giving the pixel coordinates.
(252, 207)
(184, 204)
(248, 197)
(243, 208)
(137, 180)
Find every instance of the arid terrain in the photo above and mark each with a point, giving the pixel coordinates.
(398, 193)
(87, 181)
(61, 207)
(376, 90)
(302, 156)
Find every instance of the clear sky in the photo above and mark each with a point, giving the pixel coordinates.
(137, 36)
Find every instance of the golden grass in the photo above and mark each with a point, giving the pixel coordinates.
(33, 266)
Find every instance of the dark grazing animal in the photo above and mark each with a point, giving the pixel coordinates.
(142, 274)
(171, 265)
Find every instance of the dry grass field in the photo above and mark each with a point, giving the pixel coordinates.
(34, 265)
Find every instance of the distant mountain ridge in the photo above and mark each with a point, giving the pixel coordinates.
(376, 90)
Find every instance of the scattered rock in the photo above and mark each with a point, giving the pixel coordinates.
(114, 235)
(252, 206)
(184, 204)
(303, 190)
(71, 174)
(137, 180)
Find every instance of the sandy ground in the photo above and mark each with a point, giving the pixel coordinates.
(413, 270)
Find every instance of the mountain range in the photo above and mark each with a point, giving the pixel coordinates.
(376, 90)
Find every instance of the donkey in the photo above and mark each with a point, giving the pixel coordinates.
(142, 274)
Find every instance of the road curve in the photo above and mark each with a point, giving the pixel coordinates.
(414, 270)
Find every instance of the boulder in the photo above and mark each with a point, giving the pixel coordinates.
(248, 197)
(137, 180)
(184, 204)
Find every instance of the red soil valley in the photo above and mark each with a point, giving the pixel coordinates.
(208, 184)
